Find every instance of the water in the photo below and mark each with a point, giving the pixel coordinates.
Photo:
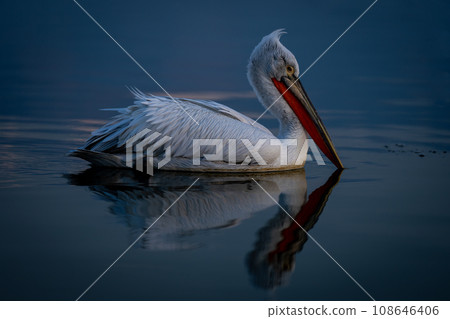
(382, 91)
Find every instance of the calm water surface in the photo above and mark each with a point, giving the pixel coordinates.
(382, 91)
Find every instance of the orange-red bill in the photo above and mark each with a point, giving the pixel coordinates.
(294, 94)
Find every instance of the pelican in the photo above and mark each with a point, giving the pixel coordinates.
(247, 145)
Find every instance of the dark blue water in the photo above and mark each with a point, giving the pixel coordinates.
(382, 91)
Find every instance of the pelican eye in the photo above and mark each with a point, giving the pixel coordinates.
(290, 70)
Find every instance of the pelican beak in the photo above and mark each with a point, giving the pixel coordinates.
(294, 94)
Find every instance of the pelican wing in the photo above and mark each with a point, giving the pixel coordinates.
(176, 119)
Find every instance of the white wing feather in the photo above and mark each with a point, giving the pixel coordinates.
(170, 118)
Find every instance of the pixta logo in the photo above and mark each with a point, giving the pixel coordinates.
(142, 146)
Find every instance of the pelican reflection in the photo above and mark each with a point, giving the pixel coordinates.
(272, 259)
(213, 202)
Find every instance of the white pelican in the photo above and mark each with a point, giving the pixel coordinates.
(272, 71)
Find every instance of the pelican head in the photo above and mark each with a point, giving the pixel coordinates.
(273, 71)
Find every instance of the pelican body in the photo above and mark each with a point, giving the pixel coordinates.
(245, 145)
